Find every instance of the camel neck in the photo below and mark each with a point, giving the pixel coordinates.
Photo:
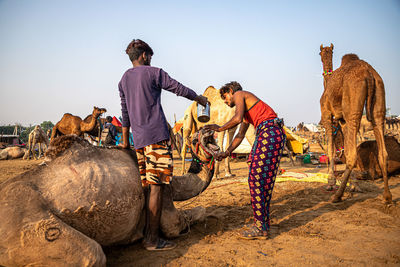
(192, 183)
(327, 68)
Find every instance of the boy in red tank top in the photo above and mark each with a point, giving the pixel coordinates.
(265, 155)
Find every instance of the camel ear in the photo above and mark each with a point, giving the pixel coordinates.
(331, 46)
(320, 48)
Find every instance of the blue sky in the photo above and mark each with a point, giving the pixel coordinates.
(58, 57)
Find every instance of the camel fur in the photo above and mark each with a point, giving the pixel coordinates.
(86, 197)
(367, 166)
(347, 90)
(36, 137)
(70, 124)
(13, 152)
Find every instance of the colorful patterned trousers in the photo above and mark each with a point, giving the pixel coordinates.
(263, 167)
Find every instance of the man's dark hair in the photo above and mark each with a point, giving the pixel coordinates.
(235, 86)
(136, 48)
(109, 119)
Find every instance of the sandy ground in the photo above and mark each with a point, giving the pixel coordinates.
(306, 228)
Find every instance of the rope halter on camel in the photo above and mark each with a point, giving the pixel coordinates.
(204, 139)
(327, 72)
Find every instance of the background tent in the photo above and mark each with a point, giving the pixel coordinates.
(295, 143)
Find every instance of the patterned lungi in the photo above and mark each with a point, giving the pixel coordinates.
(155, 163)
(263, 167)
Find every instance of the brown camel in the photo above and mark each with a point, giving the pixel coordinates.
(393, 123)
(367, 160)
(13, 152)
(70, 124)
(367, 165)
(346, 90)
(301, 128)
(366, 126)
(36, 137)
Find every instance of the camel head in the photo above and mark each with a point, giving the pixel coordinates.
(98, 111)
(203, 145)
(326, 54)
(201, 171)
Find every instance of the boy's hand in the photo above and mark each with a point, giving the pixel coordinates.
(202, 100)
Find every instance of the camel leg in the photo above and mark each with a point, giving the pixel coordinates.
(33, 148)
(220, 142)
(40, 150)
(228, 172)
(360, 135)
(350, 143)
(173, 222)
(382, 157)
(33, 236)
(183, 154)
(178, 145)
(188, 126)
(289, 153)
(53, 133)
(27, 155)
(327, 122)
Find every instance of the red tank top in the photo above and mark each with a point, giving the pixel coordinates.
(258, 113)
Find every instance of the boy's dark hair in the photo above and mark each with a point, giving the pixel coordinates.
(235, 86)
(109, 119)
(136, 48)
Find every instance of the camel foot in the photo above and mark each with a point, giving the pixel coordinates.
(331, 184)
(331, 187)
(355, 188)
(197, 214)
(336, 199)
(387, 197)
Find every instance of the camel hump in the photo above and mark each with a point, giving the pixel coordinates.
(349, 58)
(60, 144)
(210, 91)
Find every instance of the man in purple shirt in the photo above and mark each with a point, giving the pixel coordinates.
(140, 91)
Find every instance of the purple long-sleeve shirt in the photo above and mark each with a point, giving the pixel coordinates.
(140, 92)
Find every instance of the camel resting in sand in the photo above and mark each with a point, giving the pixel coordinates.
(367, 166)
(60, 214)
(70, 124)
(13, 152)
(367, 157)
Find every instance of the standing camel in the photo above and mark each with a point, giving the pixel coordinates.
(346, 90)
(70, 124)
(36, 137)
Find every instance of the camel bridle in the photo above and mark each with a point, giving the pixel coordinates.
(209, 162)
